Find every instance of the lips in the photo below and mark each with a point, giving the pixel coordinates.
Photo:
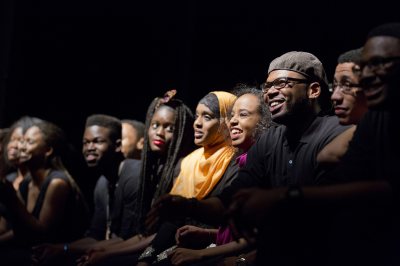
(158, 142)
(198, 134)
(91, 157)
(340, 111)
(373, 91)
(235, 133)
(275, 105)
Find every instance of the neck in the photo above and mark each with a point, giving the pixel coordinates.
(38, 175)
(111, 171)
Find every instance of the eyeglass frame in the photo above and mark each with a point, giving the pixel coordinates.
(287, 80)
(378, 63)
(345, 88)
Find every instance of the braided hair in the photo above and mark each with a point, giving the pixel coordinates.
(157, 172)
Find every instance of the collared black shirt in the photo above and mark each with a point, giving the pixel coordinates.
(271, 162)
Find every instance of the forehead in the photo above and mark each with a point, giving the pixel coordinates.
(126, 127)
(280, 73)
(381, 46)
(164, 113)
(17, 132)
(345, 69)
(247, 101)
(97, 131)
(33, 132)
(201, 108)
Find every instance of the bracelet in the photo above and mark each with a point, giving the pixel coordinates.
(241, 261)
(66, 248)
(294, 193)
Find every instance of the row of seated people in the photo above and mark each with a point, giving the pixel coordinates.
(145, 211)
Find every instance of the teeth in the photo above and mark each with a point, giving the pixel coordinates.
(235, 131)
(274, 104)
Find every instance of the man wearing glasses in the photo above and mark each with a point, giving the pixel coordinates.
(349, 103)
(347, 96)
(365, 201)
(297, 94)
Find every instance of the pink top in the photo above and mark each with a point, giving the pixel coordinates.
(224, 234)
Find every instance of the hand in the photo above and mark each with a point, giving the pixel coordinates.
(46, 253)
(189, 234)
(166, 207)
(184, 256)
(92, 257)
(250, 208)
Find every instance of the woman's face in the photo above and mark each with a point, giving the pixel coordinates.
(33, 148)
(16, 138)
(206, 126)
(244, 120)
(161, 130)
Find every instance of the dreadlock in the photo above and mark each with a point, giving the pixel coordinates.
(154, 185)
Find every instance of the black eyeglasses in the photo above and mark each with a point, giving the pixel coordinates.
(281, 83)
(379, 63)
(346, 87)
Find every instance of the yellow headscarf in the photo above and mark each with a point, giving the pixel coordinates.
(202, 169)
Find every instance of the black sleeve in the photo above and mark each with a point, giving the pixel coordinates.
(253, 173)
(358, 162)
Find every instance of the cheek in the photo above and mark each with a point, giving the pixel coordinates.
(168, 138)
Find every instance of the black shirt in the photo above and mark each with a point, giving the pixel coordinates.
(122, 212)
(271, 162)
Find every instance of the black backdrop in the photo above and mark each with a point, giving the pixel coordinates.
(64, 60)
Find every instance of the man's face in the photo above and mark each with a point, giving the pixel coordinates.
(380, 71)
(347, 97)
(131, 143)
(97, 146)
(286, 100)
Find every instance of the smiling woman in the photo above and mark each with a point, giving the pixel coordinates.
(51, 199)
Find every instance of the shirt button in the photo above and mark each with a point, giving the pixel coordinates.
(290, 162)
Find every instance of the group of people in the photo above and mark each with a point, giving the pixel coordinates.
(299, 172)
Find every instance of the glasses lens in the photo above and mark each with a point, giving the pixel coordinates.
(280, 83)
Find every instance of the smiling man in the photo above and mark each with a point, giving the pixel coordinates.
(285, 157)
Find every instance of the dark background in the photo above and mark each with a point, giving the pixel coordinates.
(64, 60)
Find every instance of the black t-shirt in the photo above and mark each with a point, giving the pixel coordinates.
(124, 199)
(271, 162)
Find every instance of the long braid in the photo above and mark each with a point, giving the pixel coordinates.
(153, 185)
(181, 145)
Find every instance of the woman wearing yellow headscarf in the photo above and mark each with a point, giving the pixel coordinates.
(202, 170)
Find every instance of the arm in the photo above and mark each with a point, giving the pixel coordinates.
(51, 213)
(183, 256)
(129, 246)
(128, 220)
(260, 203)
(6, 236)
(334, 150)
(189, 234)
(168, 206)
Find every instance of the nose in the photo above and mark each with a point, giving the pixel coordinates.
(197, 123)
(233, 121)
(21, 145)
(160, 131)
(337, 95)
(90, 146)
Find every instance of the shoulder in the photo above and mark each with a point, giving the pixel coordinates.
(130, 169)
(58, 179)
(327, 126)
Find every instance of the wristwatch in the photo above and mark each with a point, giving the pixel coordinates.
(241, 261)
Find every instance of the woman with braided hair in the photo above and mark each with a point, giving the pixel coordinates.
(168, 138)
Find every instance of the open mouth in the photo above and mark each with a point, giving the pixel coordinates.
(235, 133)
(275, 105)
